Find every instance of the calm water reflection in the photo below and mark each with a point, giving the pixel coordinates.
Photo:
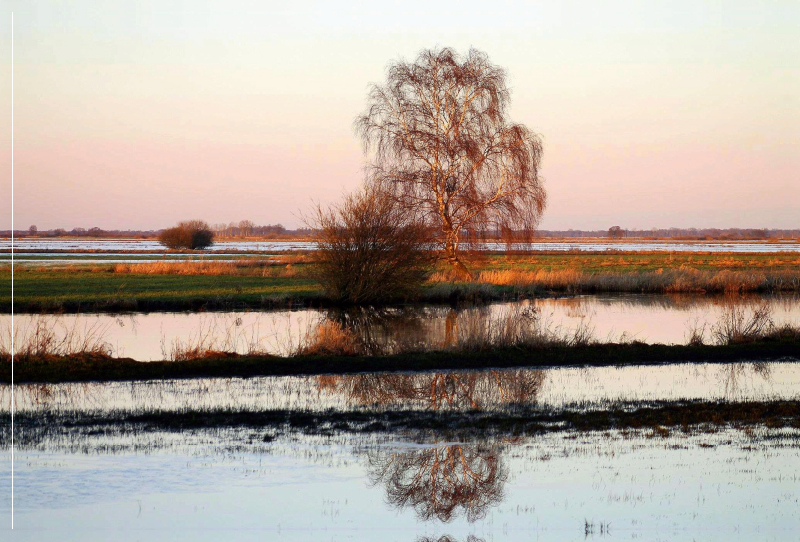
(441, 482)
(495, 390)
(646, 318)
(730, 484)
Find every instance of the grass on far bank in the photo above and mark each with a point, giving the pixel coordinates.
(288, 281)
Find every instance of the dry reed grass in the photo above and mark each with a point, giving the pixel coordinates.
(515, 326)
(684, 280)
(50, 336)
(329, 338)
(216, 338)
(739, 325)
(212, 267)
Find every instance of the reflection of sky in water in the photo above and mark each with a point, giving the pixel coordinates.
(646, 318)
(211, 487)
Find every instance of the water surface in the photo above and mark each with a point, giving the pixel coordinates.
(28, 244)
(620, 317)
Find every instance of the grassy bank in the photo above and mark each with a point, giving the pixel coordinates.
(86, 291)
(257, 283)
(97, 366)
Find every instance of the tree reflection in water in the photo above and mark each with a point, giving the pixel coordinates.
(448, 538)
(735, 377)
(463, 389)
(386, 330)
(442, 481)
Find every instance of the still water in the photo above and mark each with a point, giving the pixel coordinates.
(645, 318)
(229, 484)
(113, 245)
(95, 461)
(497, 390)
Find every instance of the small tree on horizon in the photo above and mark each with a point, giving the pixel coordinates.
(189, 234)
(615, 232)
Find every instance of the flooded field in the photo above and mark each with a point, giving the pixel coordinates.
(645, 318)
(94, 462)
(83, 247)
(725, 485)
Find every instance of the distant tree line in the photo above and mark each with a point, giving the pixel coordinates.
(241, 229)
(33, 231)
(247, 228)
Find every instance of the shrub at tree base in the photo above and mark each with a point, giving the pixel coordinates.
(370, 250)
(192, 234)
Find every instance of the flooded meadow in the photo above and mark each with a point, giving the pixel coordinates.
(408, 457)
(666, 451)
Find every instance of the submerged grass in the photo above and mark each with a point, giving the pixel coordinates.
(658, 417)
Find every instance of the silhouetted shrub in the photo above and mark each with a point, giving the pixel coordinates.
(370, 250)
(191, 234)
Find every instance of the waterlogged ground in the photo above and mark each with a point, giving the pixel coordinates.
(116, 245)
(496, 390)
(104, 461)
(626, 317)
(467, 456)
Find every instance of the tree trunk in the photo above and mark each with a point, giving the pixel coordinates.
(459, 268)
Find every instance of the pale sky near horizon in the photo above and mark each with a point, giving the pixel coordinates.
(134, 115)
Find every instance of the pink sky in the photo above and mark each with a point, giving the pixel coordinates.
(141, 114)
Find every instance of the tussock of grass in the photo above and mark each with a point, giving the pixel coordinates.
(329, 339)
(49, 337)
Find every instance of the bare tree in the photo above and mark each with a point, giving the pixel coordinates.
(615, 232)
(368, 250)
(190, 234)
(443, 146)
(33, 230)
(246, 228)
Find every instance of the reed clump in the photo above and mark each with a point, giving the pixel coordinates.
(330, 338)
(513, 327)
(216, 338)
(48, 336)
(742, 325)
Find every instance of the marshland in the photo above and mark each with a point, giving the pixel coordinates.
(535, 396)
(279, 272)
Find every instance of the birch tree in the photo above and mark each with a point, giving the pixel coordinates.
(440, 141)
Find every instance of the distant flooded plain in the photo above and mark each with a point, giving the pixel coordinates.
(69, 248)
